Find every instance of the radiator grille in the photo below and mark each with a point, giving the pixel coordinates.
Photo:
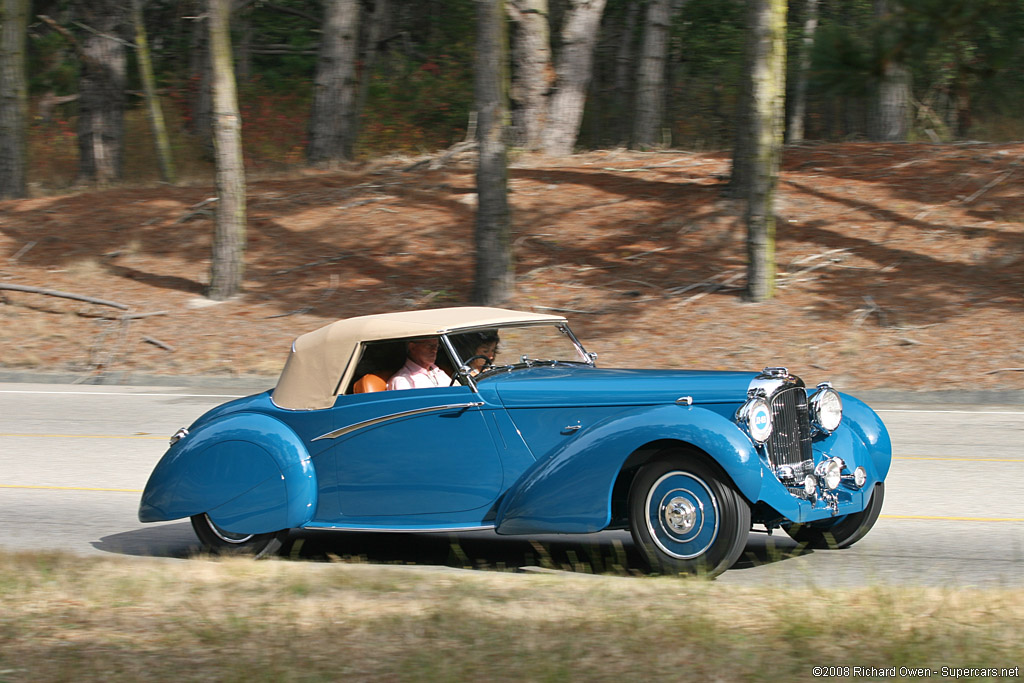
(790, 441)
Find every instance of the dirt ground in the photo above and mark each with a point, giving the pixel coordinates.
(900, 266)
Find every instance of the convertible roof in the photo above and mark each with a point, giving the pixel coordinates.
(320, 361)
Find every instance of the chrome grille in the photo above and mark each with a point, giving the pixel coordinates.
(790, 440)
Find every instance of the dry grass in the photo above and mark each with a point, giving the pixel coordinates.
(70, 618)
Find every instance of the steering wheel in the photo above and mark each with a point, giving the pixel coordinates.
(486, 360)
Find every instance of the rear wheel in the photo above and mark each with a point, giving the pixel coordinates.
(686, 517)
(841, 532)
(222, 542)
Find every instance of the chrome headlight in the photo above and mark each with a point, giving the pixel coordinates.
(756, 416)
(826, 408)
(830, 473)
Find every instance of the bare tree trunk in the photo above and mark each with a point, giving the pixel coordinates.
(242, 21)
(374, 30)
(533, 74)
(156, 114)
(228, 262)
(798, 111)
(101, 85)
(625, 68)
(335, 86)
(201, 68)
(767, 75)
(494, 276)
(572, 76)
(650, 89)
(891, 115)
(13, 98)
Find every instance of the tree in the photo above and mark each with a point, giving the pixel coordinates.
(650, 88)
(494, 276)
(572, 76)
(533, 73)
(766, 87)
(890, 121)
(101, 87)
(13, 98)
(798, 108)
(156, 114)
(335, 92)
(227, 265)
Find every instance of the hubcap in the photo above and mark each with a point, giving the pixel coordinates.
(682, 515)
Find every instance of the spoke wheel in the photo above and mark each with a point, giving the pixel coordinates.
(841, 532)
(218, 541)
(686, 517)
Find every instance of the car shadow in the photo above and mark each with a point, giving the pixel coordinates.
(174, 540)
(607, 552)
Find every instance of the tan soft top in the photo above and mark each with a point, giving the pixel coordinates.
(321, 361)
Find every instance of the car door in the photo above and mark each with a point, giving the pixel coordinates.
(413, 452)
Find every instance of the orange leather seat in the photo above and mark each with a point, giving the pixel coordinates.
(370, 382)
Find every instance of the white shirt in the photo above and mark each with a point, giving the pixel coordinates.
(414, 376)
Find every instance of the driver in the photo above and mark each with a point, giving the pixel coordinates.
(420, 370)
(478, 348)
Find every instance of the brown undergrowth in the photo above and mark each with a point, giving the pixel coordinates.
(900, 266)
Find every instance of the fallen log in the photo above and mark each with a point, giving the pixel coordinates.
(63, 295)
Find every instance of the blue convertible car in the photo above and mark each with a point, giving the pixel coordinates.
(522, 434)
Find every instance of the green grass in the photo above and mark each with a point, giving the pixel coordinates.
(65, 617)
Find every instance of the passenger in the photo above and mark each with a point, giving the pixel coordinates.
(420, 370)
(476, 344)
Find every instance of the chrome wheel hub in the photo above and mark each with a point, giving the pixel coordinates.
(679, 515)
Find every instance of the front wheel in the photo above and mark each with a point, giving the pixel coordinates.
(686, 517)
(219, 541)
(841, 532)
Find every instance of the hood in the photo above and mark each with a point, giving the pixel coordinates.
(585, 386)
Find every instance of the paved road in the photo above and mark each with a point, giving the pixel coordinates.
(73, 460)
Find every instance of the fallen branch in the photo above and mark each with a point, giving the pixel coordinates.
(63, 295)
(195, 210)
(136, 316)
(156, 342)
(711, 289)
(21, 252)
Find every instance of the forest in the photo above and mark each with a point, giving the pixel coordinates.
(661, 73)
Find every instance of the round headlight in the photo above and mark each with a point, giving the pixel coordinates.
(830, 472)
(757, 416)
(826, 408)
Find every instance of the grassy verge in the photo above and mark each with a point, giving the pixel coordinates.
(69, 618)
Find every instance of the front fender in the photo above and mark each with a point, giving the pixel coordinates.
(868, 426)
(571, 490)
(248, 471)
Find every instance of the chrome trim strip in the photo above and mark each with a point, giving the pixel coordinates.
(394, 416)
(398, 530)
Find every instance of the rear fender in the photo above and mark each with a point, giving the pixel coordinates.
(571, 490)
(249, 472)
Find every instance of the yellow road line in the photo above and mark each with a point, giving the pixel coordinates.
(954, 519)
(86, 436)
(67, 488)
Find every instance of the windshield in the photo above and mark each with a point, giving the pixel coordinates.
(507, 348)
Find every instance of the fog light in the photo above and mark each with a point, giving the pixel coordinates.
(860, 477)
(830, 472)
(810, 485)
